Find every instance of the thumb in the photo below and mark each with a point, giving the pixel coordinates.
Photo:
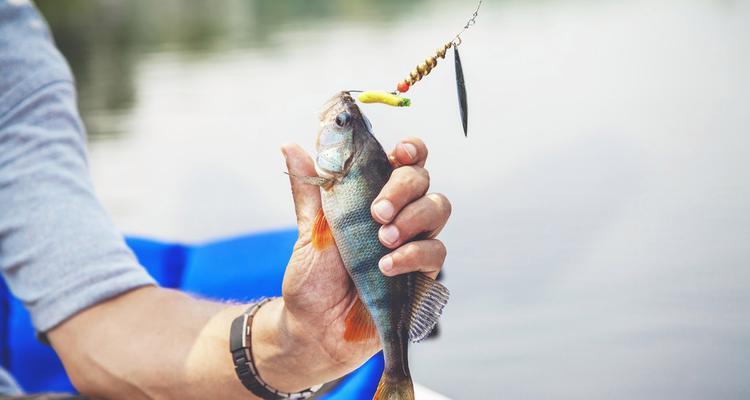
(306, 196)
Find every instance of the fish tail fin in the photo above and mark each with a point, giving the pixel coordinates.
(394, 389)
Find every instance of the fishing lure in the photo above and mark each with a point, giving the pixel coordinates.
(379, 96)
(423, 69)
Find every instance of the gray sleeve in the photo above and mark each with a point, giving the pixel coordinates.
(59, 251)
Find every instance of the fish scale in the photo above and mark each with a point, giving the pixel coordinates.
(356, 235)
(353, 169)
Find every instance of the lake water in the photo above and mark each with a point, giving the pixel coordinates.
(600, 241)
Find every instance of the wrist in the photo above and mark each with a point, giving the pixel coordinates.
(284, 356)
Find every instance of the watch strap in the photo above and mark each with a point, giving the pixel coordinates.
(240, 346)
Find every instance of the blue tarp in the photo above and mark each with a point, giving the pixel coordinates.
(241, 268)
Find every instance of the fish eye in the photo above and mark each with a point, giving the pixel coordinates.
(343, 119)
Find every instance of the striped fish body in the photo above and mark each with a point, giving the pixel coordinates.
(353, 169)
(347, 209)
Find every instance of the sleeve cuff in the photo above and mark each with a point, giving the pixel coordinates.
(65, 304)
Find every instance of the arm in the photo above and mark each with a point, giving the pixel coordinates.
(117, 334)
(179, 347)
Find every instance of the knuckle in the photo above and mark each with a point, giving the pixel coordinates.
(405, 174)
(396, 184)
(412, 177)
(442, 203)
(424, 174)
(410, 251)
(398, 173)
(441, 250)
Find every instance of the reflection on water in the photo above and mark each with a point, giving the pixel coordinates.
(598, 243)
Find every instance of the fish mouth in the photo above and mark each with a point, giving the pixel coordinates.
(340, 102)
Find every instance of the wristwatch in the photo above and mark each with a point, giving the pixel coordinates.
(240, 345)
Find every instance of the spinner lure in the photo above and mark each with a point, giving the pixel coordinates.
(422, 70)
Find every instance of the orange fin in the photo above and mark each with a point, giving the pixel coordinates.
(321, 234)
(389, 389)
(359, 326)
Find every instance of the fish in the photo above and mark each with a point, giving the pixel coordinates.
(352, 168)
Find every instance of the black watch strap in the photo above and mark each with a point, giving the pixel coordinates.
(242, 356)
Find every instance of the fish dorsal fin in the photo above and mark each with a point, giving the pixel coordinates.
(430, 296)
(321, 233)
(359, 325)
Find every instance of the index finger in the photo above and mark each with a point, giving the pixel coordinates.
(410, 151)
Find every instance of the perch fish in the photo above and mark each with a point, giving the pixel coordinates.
(352, 169)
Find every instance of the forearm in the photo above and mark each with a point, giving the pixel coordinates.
(158, 343)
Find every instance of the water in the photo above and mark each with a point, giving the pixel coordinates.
(600, 240)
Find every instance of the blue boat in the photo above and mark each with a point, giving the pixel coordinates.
(241, 268)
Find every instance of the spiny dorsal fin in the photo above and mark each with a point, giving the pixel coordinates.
(321, 233)
(359, 325)
(430, 297)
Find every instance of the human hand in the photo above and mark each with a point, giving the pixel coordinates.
(317, 290)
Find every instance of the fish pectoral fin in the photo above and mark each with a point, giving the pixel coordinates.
(322, 236)
(430, 297)
(358, 325)
(313, 180)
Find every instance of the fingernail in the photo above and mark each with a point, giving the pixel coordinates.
(389, 234)
(411, 150)
(386, 264)
(383, 209)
